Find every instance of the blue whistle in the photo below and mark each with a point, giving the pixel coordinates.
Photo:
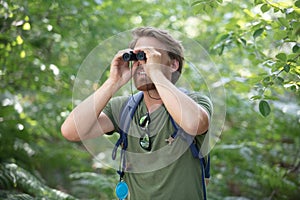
(121, 190)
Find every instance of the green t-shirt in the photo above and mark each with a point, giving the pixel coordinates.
(166, 171)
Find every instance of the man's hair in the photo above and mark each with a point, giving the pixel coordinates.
(173, 46)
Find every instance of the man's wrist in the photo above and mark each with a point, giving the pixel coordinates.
(157, 76)
(111, 85)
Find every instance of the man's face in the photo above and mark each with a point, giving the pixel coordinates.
(141, 80)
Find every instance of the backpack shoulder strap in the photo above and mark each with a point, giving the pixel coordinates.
(128, 110)
(126, 115)
(206, 162)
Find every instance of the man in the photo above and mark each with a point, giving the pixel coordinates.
(162, 106)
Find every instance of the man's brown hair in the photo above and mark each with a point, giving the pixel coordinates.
(173, 46)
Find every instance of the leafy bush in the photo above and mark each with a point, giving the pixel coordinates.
(255, 46)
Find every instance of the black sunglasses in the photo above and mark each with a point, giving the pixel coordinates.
(145, 139)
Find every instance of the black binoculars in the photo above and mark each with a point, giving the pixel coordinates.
(132, 56)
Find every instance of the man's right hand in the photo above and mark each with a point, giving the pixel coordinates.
(120, 72)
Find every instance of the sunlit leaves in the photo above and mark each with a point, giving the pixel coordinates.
(254, 44)
(272, 25)
(19, 40)
(281, 56)
(258, 32)
(22, 54)
(257, 2)
(205, 6)
(26, 26)
(297, 3)
(265, 7)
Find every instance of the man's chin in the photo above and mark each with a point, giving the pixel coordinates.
(146, 87)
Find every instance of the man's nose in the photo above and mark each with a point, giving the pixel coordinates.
(141, 62)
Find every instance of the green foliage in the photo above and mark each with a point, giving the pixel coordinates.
(19, 179)
(254, 44)
(253, 34)
(94, 185)
(206, 6)
(14, 196)
(259, 158)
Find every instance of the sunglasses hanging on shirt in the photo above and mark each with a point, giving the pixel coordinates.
(144, 122)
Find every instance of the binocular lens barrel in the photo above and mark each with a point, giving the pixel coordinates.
(141, 55)
(132, 56)
(126, 57)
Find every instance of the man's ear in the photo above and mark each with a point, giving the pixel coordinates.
(174, 65)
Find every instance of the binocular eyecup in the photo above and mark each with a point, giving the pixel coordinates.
(132, 56)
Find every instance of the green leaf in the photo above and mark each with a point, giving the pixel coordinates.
(199, 7)
(256, 97)
(198, 2)
(264, 108)
(296, 48)
(257, 2)
(224, 36)
(221, 50)
(242, 41)
(297, 3)
(287, 68)
(267, 81)
(276, 9)
(293, 88)
(281, 56)
(258, 32)
(279, 80)
(265, 8)
(208, 8)
(268, 97)
(283, 21)
(280, 34)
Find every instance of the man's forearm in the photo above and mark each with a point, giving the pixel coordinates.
(83, 120)
(184, 110)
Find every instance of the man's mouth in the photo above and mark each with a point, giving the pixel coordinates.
(141, 73)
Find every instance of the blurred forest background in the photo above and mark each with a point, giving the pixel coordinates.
(254, 44)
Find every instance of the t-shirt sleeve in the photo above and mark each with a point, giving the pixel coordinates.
(207, 105)
(113, 109)
(203, 101)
